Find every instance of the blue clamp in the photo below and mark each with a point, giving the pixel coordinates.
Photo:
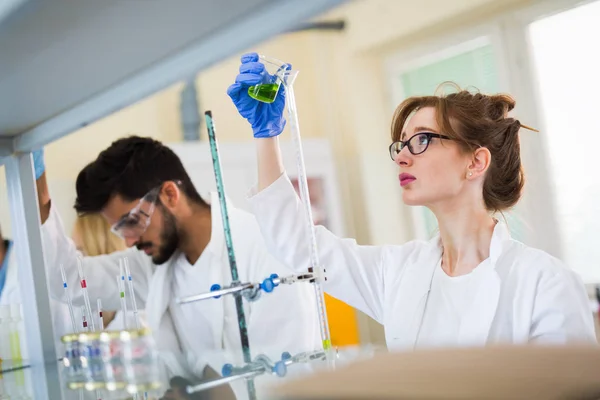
(214, 288)
(227, 370)
(285, 356)
(280, 369)
(268, 285)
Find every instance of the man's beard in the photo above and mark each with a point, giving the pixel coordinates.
(169, 238)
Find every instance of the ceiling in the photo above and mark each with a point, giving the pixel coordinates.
(67, 63)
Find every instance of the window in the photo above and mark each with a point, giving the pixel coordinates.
(567, 65)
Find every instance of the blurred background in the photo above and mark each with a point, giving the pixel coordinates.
(355, 68)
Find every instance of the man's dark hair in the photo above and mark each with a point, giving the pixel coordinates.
(130, 167)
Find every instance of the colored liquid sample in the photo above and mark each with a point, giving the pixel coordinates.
(266, 92)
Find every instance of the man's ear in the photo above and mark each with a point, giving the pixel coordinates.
(170, 195)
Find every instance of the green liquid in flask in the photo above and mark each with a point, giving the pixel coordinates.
(265, 92)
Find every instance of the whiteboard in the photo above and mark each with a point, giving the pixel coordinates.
(238, 164)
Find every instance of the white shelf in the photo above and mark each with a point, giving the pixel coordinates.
(66, 64)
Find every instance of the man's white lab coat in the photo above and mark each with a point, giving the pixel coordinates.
(528, 296)
(285, 320)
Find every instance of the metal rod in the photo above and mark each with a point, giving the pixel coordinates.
(216, 293)
(282, 280)
(239, 305)
(306, 357)
(221, 381)
(260, 366)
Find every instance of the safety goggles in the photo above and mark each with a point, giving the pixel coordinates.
(137, 220)
(417, 143)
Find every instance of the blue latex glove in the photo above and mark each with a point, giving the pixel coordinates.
(38, 163)
(266, 118)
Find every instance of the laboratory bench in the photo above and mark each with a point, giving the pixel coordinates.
(152, 378)
(498, 372)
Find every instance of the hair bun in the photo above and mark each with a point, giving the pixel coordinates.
(501, 105)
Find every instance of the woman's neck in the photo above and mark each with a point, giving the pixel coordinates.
(466, 233)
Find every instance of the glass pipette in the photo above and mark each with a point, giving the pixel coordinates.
(86, 298)
(132, 293)
(69, 302)
(100, 320)
(315, 266)
(121, 286)
(84, 323)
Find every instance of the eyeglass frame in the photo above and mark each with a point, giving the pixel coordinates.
(406, 143)
(149, 197)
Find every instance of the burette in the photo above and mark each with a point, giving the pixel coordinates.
(242, 323)
(315, 266)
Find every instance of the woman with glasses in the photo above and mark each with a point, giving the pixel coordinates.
(471, 285)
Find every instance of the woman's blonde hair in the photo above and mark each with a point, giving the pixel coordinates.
(95, 237)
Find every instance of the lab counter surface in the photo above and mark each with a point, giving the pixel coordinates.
(515, 372)
(16, 383)
(16, 380)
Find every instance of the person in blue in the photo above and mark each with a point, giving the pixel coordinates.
(9, 285)
(5, 250)
(10, 293)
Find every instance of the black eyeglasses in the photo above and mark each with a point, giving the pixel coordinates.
(417, 143)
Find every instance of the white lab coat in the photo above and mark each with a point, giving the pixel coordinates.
(117, 324)
(528, 296)
(11, 294)
(285, 320)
